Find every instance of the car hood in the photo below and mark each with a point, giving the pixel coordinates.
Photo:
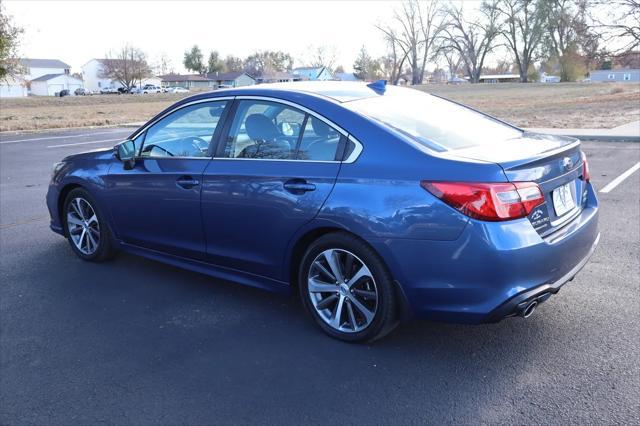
(95, 154)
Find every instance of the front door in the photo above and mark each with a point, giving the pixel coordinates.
(156, 204)
(270, 177)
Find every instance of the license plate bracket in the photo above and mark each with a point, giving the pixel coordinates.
(563, 199)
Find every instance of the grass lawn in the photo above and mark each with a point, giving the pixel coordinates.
(566, 105)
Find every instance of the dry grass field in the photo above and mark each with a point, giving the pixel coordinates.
(570, 105)
(564, 105)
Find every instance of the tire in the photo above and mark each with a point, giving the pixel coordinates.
(89, 236)
(372, 290)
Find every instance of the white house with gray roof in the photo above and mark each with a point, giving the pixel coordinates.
(48, 76)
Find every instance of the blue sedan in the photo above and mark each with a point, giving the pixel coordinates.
(374, 203)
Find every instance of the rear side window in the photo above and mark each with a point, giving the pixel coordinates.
(274, 131)
(433, 122)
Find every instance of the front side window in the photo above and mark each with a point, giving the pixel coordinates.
(185, 133)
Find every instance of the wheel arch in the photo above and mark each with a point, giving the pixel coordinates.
(309, 236)
(60, 204)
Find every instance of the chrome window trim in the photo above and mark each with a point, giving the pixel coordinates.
(357, 150)
(199, 101)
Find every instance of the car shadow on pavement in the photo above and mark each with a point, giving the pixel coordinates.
(139, 333)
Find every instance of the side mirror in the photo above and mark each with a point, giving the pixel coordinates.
(126, 152)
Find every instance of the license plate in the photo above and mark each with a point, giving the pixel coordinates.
(563, 199)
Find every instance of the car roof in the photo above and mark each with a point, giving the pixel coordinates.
(337, 91)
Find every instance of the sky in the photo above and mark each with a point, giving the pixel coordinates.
(77, 31)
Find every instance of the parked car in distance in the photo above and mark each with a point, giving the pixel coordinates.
(81, 91)
(63, 93)
(370, 201)
(177, 90)
(108, 91)
(151, 88)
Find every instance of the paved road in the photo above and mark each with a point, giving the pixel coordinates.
(137, 342)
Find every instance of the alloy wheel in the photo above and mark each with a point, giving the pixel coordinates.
(83, 226)
(342, 290)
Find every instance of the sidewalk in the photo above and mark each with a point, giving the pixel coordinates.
(626, 133)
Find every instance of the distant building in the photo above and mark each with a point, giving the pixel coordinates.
(232, 79)
(499, 78)
(188, 81)
(276, 77)
(94, 80)
(546, 78)
(455, 80)
(41, 77)
(13, 88)
(346, 76)
(312, 73)
(52, 84)
(619, 76)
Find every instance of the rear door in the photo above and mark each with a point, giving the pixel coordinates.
(272, 173)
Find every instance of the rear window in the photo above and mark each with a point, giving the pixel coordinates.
(433, 122)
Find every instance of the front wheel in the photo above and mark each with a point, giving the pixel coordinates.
(347, 289)
(86, 230)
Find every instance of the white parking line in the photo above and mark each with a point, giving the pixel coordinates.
(83, 143)
(62, 137)
(617, 181)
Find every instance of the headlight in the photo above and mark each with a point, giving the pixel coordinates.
(56, 168)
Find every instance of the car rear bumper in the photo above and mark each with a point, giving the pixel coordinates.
(491, 268)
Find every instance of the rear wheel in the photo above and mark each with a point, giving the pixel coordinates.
(347, 289)
(86, 230)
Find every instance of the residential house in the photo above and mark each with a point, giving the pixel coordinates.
(547, 78)
(44, 77)
(52, 84)
(188, 81)
(232, 79)
(13, 88)
(312, 73)
(499, 78)
(275, 77)
(346, 76)
(94, 80)
(619, 76)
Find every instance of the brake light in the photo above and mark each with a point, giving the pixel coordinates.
(488, 201)
(586, 174)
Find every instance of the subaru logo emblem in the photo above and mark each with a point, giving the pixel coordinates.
(567, 163)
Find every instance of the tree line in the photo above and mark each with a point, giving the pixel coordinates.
(567, 37)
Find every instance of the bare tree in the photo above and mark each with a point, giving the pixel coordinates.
(525, 24)
(127, 66)
(412, 35)
(396, 55)
(618, 21)
(322, 56)
(473, 38)
(453, 60)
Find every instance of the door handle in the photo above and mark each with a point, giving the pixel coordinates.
(187, 182)
(299, 186)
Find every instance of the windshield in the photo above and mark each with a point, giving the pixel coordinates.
(433, 122)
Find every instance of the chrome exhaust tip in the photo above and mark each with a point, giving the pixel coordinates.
(529, 309)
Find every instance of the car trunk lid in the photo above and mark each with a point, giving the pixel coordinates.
(553, 162)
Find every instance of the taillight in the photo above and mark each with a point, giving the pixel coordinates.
(586, 175)
(488, 201)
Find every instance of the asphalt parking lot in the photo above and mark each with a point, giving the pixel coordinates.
(133, 341)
